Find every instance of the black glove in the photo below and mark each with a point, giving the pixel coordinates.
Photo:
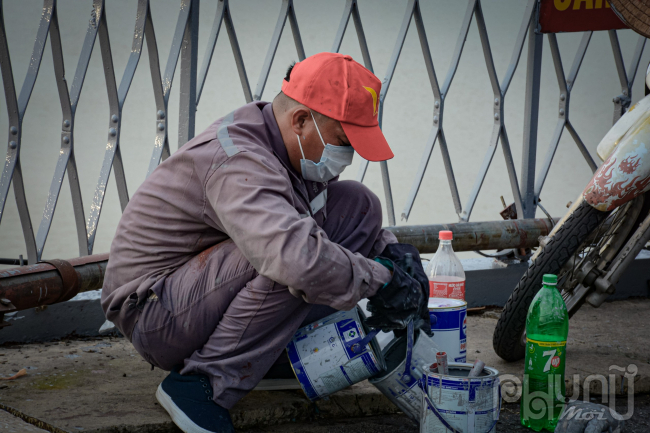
(397, 253)
(398, 302)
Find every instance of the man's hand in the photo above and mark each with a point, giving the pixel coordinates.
(397, 254)
(398, 302)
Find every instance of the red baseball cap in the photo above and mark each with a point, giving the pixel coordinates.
(340, 88)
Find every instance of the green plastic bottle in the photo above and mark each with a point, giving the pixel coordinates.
(547, 328)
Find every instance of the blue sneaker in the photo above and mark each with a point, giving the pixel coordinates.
(188, 400)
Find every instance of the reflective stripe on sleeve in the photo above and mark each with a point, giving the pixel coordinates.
(224, 138)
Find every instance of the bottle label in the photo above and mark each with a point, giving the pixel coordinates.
(545, 356)
(544, 388)
(447, 289)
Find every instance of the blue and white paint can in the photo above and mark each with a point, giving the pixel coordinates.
(325, 359)
(456, 402)
(402, 390)
(449, 327)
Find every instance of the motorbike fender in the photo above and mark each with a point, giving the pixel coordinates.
(626, 172)
(613, 137)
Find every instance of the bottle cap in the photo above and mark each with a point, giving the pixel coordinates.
(549, 279)
(445, 235)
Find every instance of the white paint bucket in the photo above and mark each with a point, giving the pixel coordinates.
(450, 327)
(406, 393)
(322, 356)
(455, 402)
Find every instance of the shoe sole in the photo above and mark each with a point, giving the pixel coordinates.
(179, 418)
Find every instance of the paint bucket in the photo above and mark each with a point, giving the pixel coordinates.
(456, 402)
(406, 393)
(450, 327)
(326, 355)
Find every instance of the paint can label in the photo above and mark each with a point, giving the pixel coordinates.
(466, 404)
(450, 331)
(463, 338)
(323, 360)
(407, 397)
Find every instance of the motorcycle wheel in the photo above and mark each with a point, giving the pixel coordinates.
(508, 336)
(588, 239)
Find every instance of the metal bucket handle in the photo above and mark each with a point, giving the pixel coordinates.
(442, 419)
(406, 377)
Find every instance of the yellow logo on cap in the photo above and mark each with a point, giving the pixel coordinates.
(374, 99)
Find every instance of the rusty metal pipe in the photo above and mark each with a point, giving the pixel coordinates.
(42, 284)
(487, 235)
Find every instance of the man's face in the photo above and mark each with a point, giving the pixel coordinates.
(298, 122)
(331, 131)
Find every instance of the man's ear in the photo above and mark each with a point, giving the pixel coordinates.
(299, 118)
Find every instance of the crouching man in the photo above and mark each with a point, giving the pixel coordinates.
(245, 234)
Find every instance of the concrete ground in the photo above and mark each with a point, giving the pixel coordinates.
(102, 385)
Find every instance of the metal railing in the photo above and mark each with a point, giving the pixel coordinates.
(192, 79)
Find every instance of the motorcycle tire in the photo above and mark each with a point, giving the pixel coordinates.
(508, 335)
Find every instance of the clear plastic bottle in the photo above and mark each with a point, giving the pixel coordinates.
(445, 272)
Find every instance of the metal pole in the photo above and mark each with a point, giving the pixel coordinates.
(470, 236)
(189, 54)
(42, 284)
(531, 113)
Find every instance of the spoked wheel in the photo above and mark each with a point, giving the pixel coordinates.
(579, 251)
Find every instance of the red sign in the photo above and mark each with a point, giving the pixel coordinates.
(577, 16)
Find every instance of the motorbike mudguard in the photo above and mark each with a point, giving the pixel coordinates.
(613, 137)
(626, 172)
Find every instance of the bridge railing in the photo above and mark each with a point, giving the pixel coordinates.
(526, 185)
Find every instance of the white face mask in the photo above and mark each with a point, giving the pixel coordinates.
(332, 162)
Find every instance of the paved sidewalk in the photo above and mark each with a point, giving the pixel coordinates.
(102, 385)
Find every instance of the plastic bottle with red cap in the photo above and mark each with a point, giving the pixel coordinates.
(445, 272)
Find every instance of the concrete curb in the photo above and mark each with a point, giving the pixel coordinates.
(357, 401)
